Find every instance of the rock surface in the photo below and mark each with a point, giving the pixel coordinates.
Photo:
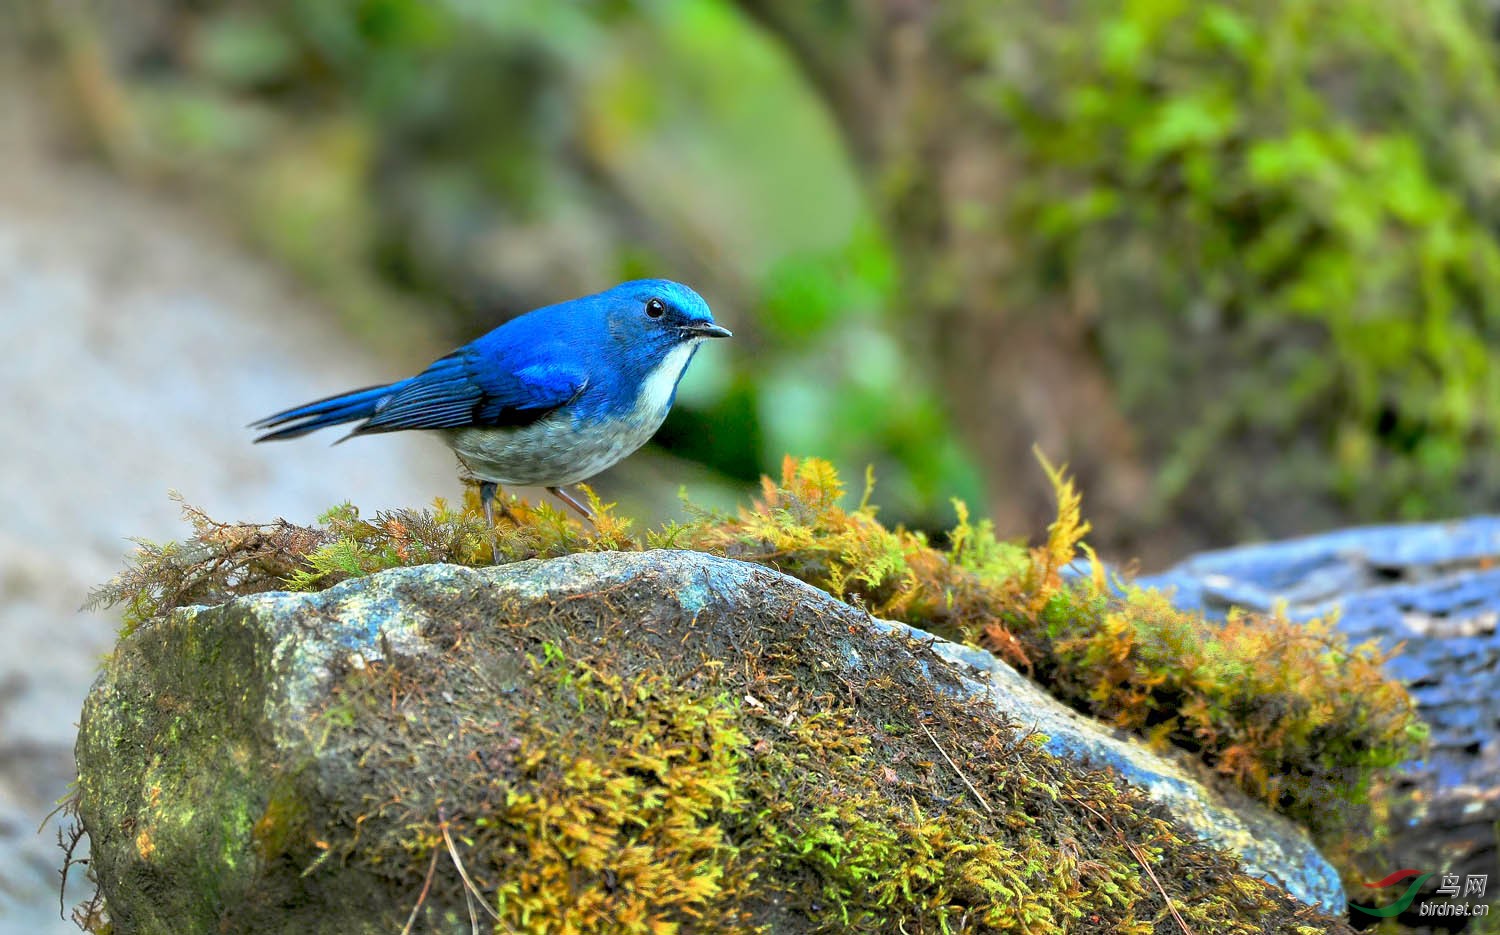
(1433, 589)
(189, 735)
(1272, 847)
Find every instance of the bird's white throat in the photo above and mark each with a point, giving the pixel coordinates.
(659, 385)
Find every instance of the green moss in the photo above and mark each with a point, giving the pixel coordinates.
(1278, 219)
(191, 831)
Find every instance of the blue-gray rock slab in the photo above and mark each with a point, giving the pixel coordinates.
(1431, 590)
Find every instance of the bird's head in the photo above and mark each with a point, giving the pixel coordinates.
(650, 318)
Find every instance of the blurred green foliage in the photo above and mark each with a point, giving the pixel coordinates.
(467, 161)
(1276, 220)
(1281, 216)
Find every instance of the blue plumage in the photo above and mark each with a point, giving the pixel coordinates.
(549, 398)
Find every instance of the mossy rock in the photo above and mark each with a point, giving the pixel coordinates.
(1269, 845)
(610, 742)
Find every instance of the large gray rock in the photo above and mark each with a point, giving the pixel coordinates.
(217, 742)
(1432, 589)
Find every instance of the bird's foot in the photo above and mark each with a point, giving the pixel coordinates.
(487, 491)
(572, 501)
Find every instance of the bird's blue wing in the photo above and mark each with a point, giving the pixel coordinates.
(469, 388)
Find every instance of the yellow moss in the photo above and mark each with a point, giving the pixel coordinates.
(621, 833)
(1042, 580)
(279, 826)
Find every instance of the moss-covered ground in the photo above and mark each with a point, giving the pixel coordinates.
(1288, 712)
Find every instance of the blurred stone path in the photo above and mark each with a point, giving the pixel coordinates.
(138, 339)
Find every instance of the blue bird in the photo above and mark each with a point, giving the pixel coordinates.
(549, 398)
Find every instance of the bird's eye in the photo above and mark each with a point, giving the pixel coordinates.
(656, 308)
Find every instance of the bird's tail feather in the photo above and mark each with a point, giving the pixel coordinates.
(335, 410)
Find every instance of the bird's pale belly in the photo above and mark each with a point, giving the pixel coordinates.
(552, 452)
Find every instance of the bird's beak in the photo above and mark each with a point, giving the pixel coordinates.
(706, 329)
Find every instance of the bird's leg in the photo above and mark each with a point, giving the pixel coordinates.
(572, 501)
(487, 491)
(487, 500)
